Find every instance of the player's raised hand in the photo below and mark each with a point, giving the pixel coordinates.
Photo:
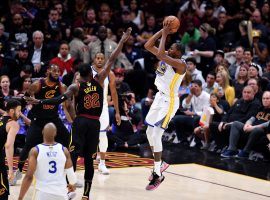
(126, 35)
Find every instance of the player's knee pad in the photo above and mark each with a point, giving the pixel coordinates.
(103, 141)
(149, 133)
(157, 135)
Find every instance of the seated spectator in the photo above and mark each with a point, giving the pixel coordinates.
(106, 46)
(19, 32)
(223, 81)
(219, 57)
(78, 49)
(132, 53)
(242, 110)
(13, 67)
(63, 59)
(254, 83)
(239, 53)
(26, 72)
(195, 73)
(39, 54)
(202, 131)
(193, 106)
(252, 130)
(148, 30)
(260, 49)
(206, 48)
(240, 80)
(210, 85)
(5, 92)
(191, 36)
(136, 14)
(89, 25)
(266, 74)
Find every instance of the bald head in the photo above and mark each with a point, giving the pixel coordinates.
(248, 93)
(49, 132)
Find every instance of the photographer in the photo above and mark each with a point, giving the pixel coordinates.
(126, 134)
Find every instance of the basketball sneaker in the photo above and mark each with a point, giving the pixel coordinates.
(155, 182)
(163, 167)
(103, 169)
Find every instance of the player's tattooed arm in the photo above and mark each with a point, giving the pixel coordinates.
(71, 91)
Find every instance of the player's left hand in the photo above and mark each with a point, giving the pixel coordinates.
(118, 119)
(126, 35)
(31, 100)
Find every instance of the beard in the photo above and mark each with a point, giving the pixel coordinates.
(53, 79)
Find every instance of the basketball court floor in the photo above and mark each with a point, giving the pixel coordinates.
(188, 181)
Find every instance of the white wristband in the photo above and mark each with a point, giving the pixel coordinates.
(71, 176)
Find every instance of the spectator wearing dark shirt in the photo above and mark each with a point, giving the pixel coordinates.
(241, 111)
(250, 131)
(206, 48)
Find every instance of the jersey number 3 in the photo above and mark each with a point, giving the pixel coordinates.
(52, 168)
(91, 101)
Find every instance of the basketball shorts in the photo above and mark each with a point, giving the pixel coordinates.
(40, 195)
(162, 110)
(85, 136)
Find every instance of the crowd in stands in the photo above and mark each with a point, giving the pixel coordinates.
(226, 44)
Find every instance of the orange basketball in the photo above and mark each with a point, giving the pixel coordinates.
(175, 23)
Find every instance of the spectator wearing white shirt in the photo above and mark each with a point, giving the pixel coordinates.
(195, 73)
(193, 106)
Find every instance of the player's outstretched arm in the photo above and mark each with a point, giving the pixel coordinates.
(107, 68)
(27, 180)
(12, 129)
(72, 90)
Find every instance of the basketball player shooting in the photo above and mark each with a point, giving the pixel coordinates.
(169, 76)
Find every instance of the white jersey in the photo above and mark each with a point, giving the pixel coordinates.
(105, 88)
(167, 80)
(50, 172)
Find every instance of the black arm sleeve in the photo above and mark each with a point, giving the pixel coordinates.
(55, 100)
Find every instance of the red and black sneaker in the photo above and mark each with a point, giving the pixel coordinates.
(163, 167)
(155, 182)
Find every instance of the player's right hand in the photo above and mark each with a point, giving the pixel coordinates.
(71, 188)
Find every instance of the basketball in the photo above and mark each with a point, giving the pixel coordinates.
(175, 23)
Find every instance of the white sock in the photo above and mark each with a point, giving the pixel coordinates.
(102, 162)
(157, 168)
